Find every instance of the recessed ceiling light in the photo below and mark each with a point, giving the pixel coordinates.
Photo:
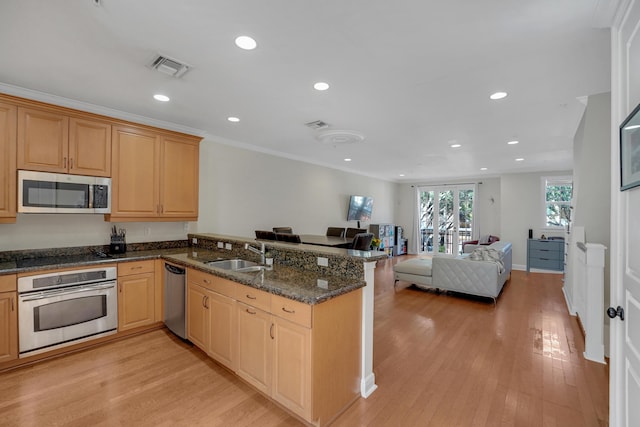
(498, 95)
(347, 160)
(513, 142)
(519, 159)
(321, 86)
(233, 119)
(456, 145)
(483, 169)
(246, 43)
(401, 174)
(162, 98)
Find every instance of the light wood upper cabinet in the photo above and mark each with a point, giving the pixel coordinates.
(155, 176)
(89, 147)
(8, 118)
(50, 141)
(135, 181)
(179, 175)
(8, 318)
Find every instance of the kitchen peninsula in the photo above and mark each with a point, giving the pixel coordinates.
(313, 300)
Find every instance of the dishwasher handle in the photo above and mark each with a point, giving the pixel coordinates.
(173, 269)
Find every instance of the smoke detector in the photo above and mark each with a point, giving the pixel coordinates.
(339, 137)
(169, 66)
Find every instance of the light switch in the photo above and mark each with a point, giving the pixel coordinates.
(323, 262)
(228, 246)
(220, 245)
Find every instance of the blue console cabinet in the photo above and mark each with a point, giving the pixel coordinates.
(545, 254)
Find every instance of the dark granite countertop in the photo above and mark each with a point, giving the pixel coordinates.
(298, 284)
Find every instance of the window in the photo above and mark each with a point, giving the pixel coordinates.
(558, 191)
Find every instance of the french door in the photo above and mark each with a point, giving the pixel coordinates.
(445, 217)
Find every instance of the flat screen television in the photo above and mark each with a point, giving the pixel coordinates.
(360, 208)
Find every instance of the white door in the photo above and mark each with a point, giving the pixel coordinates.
(624, 404)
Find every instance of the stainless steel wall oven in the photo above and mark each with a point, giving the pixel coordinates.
(60, 309)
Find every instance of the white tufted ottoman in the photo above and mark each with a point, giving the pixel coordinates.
(416, 271)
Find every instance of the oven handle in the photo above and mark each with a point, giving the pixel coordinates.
(58, 292)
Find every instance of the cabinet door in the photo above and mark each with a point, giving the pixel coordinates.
(42, 140)
(198, 316)
(8, 326)
(8, 118)
(254, 347)
(179, 177)
(291, 383)
(89, 147)
(136, 301)
(135, 178)
(223, 329)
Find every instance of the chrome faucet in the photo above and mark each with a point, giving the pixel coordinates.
(260, 251)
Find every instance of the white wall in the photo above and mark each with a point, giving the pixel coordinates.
(40, 231)
(522, 209)
(592, 169)
(242, 191)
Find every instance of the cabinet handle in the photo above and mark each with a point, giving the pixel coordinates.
(71, 163)
(207, 281)
(12, 306)
(204, 304)
(120, 287)
(249, 311)
(250, 297)
(288, 311)
(136, 268)
(64, 162)
(271, 331)
(161, 208)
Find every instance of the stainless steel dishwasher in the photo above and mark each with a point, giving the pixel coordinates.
(174, 300)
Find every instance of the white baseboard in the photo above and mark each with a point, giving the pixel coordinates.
(368, 385)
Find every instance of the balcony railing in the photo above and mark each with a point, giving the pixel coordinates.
(445, 240)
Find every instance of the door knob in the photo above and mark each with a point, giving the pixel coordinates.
(613, 312)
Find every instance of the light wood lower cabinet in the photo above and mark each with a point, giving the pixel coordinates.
(198, 316)
(136, 294)
(8, 318)
(305, 357)
(211, 316)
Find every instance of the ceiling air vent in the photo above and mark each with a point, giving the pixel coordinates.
(318, 124)
(169, 66)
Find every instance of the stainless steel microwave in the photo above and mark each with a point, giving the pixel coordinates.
(44, 192)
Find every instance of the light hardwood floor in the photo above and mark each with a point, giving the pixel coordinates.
(439, 360)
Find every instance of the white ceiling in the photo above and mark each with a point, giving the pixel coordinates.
(411, 75)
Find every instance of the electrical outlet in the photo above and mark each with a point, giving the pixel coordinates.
(194, 240)
(323, 284)
(228, 246)
(323, 262)
(220, 245)
(147, 231)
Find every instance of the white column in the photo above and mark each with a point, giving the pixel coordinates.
(593, 257)
(367, 377)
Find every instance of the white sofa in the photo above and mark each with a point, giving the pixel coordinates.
(459, 273)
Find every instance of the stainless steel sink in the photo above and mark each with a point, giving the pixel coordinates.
(235, 264)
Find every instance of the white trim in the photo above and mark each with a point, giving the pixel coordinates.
(96, 109)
